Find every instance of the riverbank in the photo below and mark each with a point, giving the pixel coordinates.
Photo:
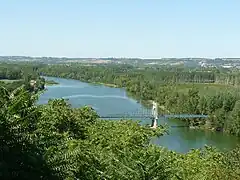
(179, 89)
(50, 82)
(110, 146)
(105, 84)
(207, 126)
(110, 101)
(144, 103)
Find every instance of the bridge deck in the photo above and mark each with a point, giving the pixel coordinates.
(161, 116)
(185, 116)
(125, 117)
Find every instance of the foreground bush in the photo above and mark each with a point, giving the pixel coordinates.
(55, 141)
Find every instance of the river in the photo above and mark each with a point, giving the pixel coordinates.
(107, 100)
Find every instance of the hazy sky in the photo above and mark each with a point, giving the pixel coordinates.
(120, 28)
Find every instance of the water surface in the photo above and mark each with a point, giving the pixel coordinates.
(107, 100)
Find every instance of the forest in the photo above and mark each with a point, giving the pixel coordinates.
(14, 75)
(56, 141)
(177, 90)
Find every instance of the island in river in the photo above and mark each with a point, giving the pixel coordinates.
(106, 100)
(50, 82)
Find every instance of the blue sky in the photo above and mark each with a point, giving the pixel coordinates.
(120, 28)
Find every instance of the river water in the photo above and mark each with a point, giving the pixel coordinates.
(106, 100)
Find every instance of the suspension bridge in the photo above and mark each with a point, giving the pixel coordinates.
(151, 114)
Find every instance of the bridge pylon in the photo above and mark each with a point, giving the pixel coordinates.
(154, 115)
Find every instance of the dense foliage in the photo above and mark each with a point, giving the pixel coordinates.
(14, 75)
(177, 90)
(55, 141)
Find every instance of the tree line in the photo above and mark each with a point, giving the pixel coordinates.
(21, 73)
(162, 85)
(56, 141)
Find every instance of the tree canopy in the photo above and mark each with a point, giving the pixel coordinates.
(56, 141)
(177, 90)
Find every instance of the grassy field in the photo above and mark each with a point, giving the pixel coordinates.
(206, 88)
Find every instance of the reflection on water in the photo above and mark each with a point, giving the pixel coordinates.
(106, 100)
(93, 96)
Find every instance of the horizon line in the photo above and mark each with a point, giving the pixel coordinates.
(119, 57)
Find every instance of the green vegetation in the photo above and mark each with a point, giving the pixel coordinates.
(205, 88)
(55, 141)
(14, 75)
(10, 80)
(50, 82)
(105, 84)
(177, 90)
